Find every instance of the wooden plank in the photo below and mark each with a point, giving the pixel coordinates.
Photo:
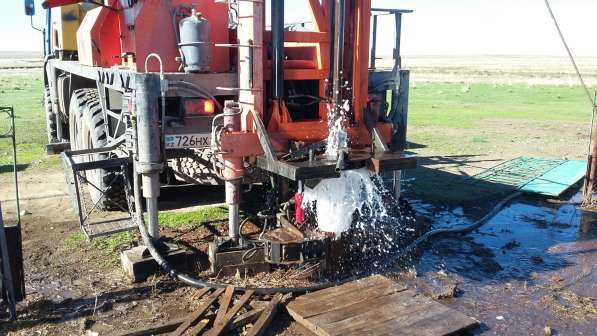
(320, 306)
(388, 315)
(246, 318)
(266, 317)
(224, 304)
(383, 308)
(357, 285)
(197, 330)
(443, 322)
(374, 304)
(196, 316)
(321, 324)
(200, 293)
(341, 292)
(222, 324)
(391, 318)
(156, 329)
(438, 322)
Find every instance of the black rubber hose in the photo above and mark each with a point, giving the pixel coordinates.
(194, 282)
(452, 231)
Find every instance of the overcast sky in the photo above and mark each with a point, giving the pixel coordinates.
(438, 27)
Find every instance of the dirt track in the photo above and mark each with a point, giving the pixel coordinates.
(63, 282)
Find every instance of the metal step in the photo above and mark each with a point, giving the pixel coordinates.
(109, 227)
(93, 221)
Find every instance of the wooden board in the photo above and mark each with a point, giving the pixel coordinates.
(375, 306)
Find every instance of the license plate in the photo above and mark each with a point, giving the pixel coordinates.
(188, 141)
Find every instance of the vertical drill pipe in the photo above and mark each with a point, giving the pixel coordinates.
(374, 43)
(233, 171)
(332, 18)
(233, 201)
(277, 12)
(338, 53)
(149, 161)
(398, 55)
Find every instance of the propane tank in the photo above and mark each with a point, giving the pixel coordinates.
(195, 43)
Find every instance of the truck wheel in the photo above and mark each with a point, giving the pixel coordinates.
(50, 118)
(196, 168)
(92, 134)
(78, 103)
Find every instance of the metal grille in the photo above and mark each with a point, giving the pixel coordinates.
(94, 221)
(517, 172)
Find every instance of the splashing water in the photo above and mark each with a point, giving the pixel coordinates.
(364, 216)
(337, 139)
(335, 201)
(337, 136)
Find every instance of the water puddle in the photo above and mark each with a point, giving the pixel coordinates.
(517, 271)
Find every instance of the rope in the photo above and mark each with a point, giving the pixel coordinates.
(592, 99)
(576, 69)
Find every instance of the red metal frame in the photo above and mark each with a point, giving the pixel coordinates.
(147, 30)
(307, 58)
(303, 65)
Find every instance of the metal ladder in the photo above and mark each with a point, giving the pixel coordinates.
(93, 221)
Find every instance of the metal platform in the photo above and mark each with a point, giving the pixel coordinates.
(112, 226)
(534, 175)
(321, 169)
(375, 306)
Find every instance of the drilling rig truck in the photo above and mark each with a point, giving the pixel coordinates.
(141, 93)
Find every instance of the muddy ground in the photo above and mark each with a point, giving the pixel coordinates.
(530, 267)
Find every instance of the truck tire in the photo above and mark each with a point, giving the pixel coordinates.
(77, 106)
(196, 168)
(90, 132)
(50, 117)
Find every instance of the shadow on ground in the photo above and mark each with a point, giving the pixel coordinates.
(9, 168)
(45, 312)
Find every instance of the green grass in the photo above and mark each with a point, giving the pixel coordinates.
(467, 106)
(180, 219)
(463, 129)
(24, 92)
(483, 119)
(106, 250)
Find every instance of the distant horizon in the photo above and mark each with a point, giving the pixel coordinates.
(31, 52)
(446, 28)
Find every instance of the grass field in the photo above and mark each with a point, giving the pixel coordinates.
(22, 89)
(500, 121)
